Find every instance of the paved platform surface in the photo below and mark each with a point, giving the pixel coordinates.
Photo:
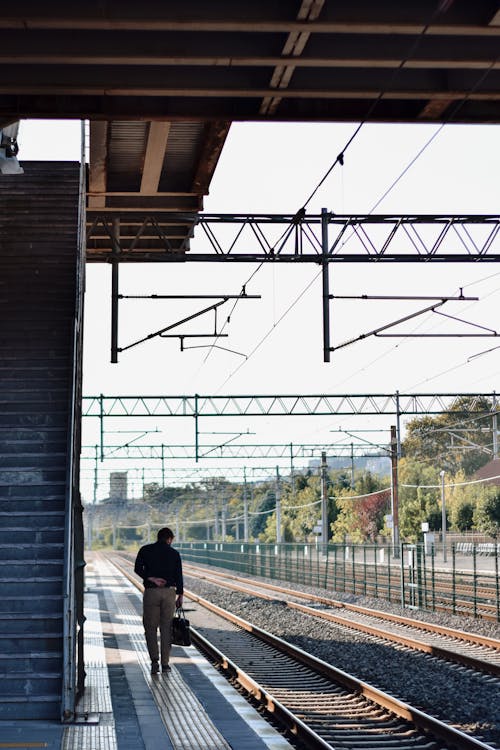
(124, 707)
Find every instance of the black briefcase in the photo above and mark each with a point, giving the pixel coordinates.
(181, 635)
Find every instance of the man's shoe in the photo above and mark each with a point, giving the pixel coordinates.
(155, 667)
(165, 668)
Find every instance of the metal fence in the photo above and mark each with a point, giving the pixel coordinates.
(466, 582)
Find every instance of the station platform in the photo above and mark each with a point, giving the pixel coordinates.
(124, 707)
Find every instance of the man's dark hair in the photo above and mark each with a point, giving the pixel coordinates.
(165, 534)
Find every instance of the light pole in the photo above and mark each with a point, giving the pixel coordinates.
(279, 536)
(324, 501)
(443, 514)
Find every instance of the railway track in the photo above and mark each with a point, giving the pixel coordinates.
(473, 651)
(322, 706)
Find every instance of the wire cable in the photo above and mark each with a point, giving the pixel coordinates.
(441, 7)
(273, 327)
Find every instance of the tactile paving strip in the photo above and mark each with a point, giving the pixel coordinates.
(97, 695)
(187, 723)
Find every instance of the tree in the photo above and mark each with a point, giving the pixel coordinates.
(361, 518)
(302, 511)
(417, 501)
(455, 440)
(258, 522)
(463, 517)
(487, 516)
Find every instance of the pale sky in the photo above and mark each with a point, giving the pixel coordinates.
(272, 167)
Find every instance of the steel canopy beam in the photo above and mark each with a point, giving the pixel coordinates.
(300, 238)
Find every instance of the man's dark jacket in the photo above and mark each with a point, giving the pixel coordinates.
(160, 560)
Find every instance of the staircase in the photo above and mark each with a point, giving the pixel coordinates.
(39, 304)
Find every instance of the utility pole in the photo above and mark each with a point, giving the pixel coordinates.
(443, 514)
(279, 537)
(324, 501)
(115, 266)
(95, 473)
(394, 493)
(326, 284)
(223, 519)
(245, 506)
(216, 517)
(495, 428)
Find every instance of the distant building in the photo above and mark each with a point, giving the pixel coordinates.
(118, 485)
(490, 472)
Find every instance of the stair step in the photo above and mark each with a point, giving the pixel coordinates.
(18, 462)
(35, 421)
(28, 494)
(46, 708)
(18, 627)
(33, 477)
(36, 662)
(23, 605)
(27, 642)
(44, 587)
(43, 685)
(38, 570)
(48, 510)
(38, 550)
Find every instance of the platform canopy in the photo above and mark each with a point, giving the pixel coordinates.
(251, 60)
(161, 82)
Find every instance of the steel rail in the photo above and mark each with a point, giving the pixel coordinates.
(425, 723)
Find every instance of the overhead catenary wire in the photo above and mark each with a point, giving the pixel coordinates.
(452, 114)
(441, 7)
(450, 484)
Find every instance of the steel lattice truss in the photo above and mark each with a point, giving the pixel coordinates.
(230, 450)
(300, 238)
(277, 405)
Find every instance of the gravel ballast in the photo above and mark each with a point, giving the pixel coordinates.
(452, 693)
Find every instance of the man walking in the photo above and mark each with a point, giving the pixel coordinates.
(160, 567)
